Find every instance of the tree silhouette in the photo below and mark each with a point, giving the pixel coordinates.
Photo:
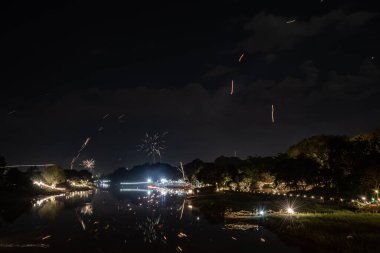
(53, 175)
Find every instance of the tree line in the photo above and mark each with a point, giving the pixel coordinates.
(15, 180)
(335, 165)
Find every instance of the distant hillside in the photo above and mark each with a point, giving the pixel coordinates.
(373, 135)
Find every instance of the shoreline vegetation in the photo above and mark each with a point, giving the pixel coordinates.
(315, 226)
(339, 175)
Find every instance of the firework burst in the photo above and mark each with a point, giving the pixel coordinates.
(153, 145)
(89, 164)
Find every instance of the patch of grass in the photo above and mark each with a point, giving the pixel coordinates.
(247, 201)
(341, 231)
(325, 225)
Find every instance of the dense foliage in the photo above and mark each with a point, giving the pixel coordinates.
(337, 165)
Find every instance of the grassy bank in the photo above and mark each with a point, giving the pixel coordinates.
(321, 226)
(341, 231)
(246, 201)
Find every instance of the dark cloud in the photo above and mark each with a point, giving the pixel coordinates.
(318, 72)
(201, 123)
(271, 32)
(219, 71)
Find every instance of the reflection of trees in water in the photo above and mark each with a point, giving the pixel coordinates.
(13, 208)
(213, 214)
(51, 209)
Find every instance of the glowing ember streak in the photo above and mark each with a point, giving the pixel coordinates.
(81, 222)
(179, 249)
(84, 145)
(182, 235)
(182, 208)
(232, 87)
(272, 113)
(182, 171)
(46, 237)
(262, 239)
(241, 57)
(234, 238)
(291, 21)
(89, 164)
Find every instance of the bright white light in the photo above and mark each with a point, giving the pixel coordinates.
(290, 210)
(163, 180)
(364, 198)
(127, 183)
(149, 180)
(261, 212)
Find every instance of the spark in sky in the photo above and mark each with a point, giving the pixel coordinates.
(291, 21)
(84, 145)
(272, 113)
(11, 112)
(89, 164)
(153, 145)
(241, 57)
(232, 87)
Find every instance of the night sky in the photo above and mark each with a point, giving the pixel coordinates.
(167, 66)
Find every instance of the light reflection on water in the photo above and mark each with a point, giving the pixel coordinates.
(135, 219)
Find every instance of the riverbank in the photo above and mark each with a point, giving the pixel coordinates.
(37, 191)
(322, 226)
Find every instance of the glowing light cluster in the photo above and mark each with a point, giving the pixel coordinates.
(43, 185)
(290, 210)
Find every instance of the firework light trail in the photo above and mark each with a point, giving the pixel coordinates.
(291, 21)
(272, 113)
(241, 57)
(182, 170)
(232, 87)
(79, 152)
(84, 144)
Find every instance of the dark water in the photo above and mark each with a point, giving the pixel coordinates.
(128, 221)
